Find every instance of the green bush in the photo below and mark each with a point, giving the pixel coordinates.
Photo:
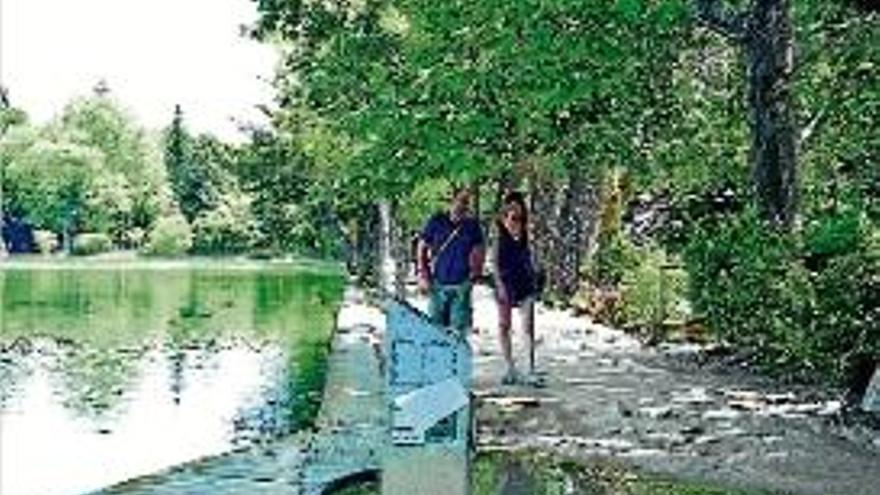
(170, 236)
(834, 235)
(615, 257)
(766, 290)
(91, 243)
(747, 280)
(846, 312)
(46, 241)
(224, 230)
(653, 291)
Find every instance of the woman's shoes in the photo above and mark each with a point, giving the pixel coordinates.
(533, 380)
(513, 377)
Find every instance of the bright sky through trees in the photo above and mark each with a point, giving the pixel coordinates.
(152, 53)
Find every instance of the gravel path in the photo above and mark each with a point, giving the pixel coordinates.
(608, 396)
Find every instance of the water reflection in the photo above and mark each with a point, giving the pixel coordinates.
(108, 374)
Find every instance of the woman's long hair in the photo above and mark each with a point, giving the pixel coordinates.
(511, 199)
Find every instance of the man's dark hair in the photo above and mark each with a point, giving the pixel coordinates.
(458, 187)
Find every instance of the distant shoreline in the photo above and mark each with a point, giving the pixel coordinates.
(134, 261)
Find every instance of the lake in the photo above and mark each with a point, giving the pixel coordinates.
(110, 371)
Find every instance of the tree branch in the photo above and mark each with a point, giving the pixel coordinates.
(811, 127)
(714, 15)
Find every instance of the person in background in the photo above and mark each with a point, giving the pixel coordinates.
(450, 259)
(515, 282)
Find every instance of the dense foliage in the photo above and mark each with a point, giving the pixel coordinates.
(666, 98)
(91, 169)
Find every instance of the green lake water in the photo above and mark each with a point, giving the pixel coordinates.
(110, 371)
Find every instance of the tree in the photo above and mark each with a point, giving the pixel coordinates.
(273, 171)
(109, 206)
(228, 228)
(199, 168)
(472, 91)
(9, 117)
(765, 32)
(131, 187)
(837, 100)
(299, 196)
(187, 182)
(52, 179)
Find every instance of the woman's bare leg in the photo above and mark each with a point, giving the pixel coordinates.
(527, 312)
(504, 323)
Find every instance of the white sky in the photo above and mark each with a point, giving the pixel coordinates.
(152, 53)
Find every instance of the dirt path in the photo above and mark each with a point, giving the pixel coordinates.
(607, 396)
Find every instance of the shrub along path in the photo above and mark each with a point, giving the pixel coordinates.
(607, 396)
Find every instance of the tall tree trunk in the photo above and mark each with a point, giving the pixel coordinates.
(392, 251)
(590, 210)
(766, 33)
(68, 229)
(399, 251)
(540, 216)
(770, 56)
(3, 252)
(500, 191)
(562, 228)
(569, 236)
(503, 183)
(583, 207)
(386, 259)
(366, 247)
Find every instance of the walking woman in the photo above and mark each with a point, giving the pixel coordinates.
(515, 282)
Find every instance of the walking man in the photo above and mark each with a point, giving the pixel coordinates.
(451, 252)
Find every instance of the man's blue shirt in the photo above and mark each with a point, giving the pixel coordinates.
(453, 263)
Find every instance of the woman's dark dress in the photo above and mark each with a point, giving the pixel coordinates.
(515, 267)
